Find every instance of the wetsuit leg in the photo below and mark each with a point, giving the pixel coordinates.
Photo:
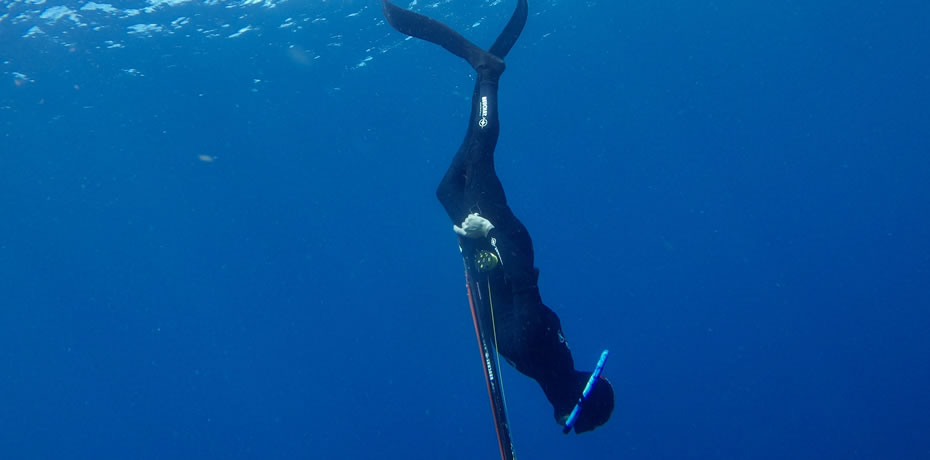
(451, 190)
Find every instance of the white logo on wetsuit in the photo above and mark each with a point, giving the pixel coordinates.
(484, 112)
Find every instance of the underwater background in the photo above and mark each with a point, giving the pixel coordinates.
(219, 236)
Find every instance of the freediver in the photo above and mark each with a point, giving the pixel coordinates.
(529, 334)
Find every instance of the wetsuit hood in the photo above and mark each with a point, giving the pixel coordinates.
(596, 409)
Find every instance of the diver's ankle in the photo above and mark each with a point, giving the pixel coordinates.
(490, 67)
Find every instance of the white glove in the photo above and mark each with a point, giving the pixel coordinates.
(474, 226)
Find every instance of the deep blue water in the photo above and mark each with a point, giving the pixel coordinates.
(219, 239)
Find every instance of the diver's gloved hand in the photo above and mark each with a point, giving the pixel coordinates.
(474, 226)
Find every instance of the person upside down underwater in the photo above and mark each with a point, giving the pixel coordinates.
(529, 334)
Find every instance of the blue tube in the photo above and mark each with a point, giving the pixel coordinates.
(573, 417)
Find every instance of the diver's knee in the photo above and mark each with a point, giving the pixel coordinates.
(443, 192)
(449, 196)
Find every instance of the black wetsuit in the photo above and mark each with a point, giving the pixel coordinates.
(529, 334)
